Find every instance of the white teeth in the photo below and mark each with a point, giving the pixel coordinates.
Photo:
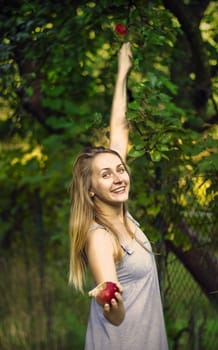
(120, 189)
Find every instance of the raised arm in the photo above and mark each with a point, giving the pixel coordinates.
(119, 130)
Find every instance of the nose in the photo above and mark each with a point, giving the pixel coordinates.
(116, 178)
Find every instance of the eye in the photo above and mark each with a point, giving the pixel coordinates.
(105, 175)
(121, 170)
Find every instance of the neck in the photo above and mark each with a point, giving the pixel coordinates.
(112, 213)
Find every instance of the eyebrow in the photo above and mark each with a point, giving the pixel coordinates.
(103, 169)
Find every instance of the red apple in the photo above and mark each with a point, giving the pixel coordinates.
(121, 29)
(105, 291)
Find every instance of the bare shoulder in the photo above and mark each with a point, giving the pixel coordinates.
(100, 236)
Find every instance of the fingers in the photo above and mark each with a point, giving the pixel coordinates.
(126, 49)
(118, 297)
(126, 45)
(106, 308)
(90, 293)
(93, 292)
(114, 302)
(125, 57)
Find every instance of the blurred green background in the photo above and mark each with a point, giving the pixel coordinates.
(58, 62)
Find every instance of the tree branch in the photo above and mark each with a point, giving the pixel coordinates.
(199, 261)
(190, 25)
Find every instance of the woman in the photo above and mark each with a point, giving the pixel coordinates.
(105, 237)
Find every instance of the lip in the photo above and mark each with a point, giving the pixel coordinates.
(119, 190)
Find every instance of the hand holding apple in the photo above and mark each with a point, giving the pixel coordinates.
(105, 292)
(108, 295)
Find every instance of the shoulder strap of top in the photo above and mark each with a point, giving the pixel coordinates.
(95, 225)
(141, 239)
(132, 218)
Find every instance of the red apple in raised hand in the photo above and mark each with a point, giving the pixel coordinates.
(120, 29)
(104, 292)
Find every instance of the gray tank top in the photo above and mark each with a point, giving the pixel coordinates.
(143, 327)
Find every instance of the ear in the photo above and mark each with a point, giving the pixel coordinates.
(91, 194)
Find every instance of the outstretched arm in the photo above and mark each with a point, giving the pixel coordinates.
(118, 124)
(100, 253)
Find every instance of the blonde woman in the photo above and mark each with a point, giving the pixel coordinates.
(105, 237)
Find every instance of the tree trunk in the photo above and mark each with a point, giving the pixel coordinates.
(189, 17)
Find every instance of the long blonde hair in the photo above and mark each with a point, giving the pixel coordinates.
(84, 212)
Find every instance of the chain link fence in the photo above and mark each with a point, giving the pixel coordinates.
(188, 267)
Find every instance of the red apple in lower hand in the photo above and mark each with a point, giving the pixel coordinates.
(104, 292)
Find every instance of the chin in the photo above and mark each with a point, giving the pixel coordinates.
(122, 198)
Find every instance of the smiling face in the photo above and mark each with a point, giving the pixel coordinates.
(110, 179)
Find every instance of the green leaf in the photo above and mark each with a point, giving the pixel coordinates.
(134, 106)
(162, 148)
(136, 153)
(155, 155)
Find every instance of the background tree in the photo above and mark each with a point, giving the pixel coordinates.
(58, 64)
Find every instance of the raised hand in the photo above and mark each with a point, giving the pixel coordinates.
(124, 59)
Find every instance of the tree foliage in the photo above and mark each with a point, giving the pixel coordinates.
(57, 71)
